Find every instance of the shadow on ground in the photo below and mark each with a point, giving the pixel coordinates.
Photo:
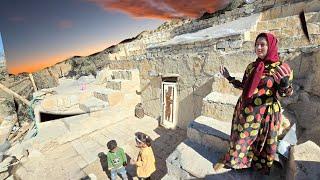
(104, 164)
(277, 172)
(163, 146)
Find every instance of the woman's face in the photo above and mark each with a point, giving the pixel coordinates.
(261, 47)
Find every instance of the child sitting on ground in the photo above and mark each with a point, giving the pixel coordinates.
(116, 160)
(145, 161)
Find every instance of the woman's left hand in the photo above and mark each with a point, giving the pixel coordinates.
(281, 72)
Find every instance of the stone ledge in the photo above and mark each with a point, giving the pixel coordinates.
(210, 133)
(304, 161)
(193, 161)
(216, 97)
(122, 74)
(93, 104)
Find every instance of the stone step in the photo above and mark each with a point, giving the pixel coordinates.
(168, 177)
(304, 161)
(106, 75)
(193, 161)
(219, 106)
(210, 133)
(114, 84)
(71, 101)
(110, 96)
(125, 86)
(121, 74)
(93, 104)
(222, 85)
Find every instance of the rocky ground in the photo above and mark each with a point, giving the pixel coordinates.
(64, 149)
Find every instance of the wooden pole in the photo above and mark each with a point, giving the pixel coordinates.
(33, 84)
(9, 91)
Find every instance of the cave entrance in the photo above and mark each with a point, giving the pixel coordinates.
(44, 117)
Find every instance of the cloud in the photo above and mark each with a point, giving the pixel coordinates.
(162, 9)
(65, 24)
(16, 19)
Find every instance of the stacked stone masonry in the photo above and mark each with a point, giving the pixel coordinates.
(198, 62)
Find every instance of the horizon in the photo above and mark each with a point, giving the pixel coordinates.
(39, 34)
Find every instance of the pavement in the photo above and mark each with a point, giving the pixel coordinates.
(74, 147)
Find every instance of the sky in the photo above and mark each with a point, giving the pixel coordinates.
(40, 33)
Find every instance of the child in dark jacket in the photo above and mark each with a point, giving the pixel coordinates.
(116, 160)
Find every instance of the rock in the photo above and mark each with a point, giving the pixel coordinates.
(219, 106)
(168, 177)
(5, 146)
(193, 161)
(121, 74)
(45, 79)
(235, 44)
(222, 45)
(5, 163)
(210, 133)
(3, 73)
(304, 161)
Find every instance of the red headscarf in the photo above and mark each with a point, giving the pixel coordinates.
(271, 57)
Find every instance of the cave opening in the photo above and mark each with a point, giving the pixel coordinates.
(44, 117)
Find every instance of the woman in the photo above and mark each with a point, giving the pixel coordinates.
(257, 116)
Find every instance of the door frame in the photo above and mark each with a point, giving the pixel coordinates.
(174, 109)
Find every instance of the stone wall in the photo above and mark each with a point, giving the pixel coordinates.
(136, 49)
(197, 61)
(305, 102)
(21, 84)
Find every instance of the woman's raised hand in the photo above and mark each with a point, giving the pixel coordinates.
(224, 72)
(281, 72)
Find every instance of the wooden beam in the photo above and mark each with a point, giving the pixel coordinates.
(9, 91)
(33, 84)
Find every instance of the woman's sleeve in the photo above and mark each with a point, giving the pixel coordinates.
(285, 88)
(240, 84)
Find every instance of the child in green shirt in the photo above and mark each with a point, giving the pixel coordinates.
(116, 160)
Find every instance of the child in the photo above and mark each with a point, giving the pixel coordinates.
(116, 160)
(145, 161)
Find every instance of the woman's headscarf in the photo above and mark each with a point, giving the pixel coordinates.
(271, 57)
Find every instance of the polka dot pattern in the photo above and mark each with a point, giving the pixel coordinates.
(255, 125)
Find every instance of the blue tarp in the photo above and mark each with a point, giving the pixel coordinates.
(2, 57)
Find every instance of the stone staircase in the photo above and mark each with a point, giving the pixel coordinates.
(208, 134)
(207, 142)
(110, 88)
